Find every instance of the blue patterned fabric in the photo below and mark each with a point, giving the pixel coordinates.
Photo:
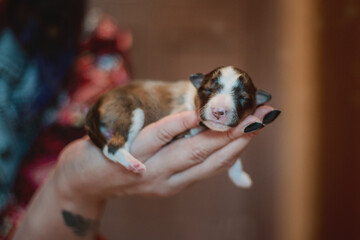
(28, 84)
(18, 81)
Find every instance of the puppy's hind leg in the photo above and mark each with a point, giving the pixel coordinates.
(238, 176)
(122, 156)
(118, 149)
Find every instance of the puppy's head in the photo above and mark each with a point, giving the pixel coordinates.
(225, 97)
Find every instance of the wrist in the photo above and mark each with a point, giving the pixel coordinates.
(75, 175)
(73, 198)
(56, 211)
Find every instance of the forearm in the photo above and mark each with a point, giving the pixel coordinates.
(54, 214)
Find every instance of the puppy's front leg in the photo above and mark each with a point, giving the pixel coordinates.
(238, 176)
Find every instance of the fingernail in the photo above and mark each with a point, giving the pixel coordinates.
(271, 116)
(253, 127)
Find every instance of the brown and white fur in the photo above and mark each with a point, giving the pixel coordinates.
(222, 98)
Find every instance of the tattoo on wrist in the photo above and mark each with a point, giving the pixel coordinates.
(81, 226)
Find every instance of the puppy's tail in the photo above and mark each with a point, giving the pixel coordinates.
(92, 125)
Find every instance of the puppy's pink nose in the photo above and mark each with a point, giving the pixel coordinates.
(219, 112)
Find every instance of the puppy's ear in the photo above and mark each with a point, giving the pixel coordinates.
(262, 97)
(197, 79)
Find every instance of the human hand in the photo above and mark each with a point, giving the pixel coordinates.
(170, 167)
(70, 203)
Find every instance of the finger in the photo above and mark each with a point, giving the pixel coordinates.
(186, 153)
(156, 135)
(262, 111)
(269, 114)
(221, 160)
(160, 133)
(252, 120)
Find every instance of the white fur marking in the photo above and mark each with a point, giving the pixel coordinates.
(137, 124)
(228, 79)
(238, 176)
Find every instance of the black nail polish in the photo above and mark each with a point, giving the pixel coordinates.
(271, 116)
(253, 127)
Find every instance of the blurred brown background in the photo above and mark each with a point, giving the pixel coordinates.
(306, 165)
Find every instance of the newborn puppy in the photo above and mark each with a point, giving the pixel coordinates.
(222, 99)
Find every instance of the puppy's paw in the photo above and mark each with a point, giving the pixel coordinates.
(242, 180)
(136, 167)
(238, 176)
(131, 163)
